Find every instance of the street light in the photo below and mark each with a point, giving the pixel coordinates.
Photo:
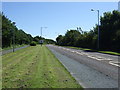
(41, 41)
(13, 38)
(98, 45)
(41, 30)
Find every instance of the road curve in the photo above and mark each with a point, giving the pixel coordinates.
(95, 67)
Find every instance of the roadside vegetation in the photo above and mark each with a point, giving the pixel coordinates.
(33, 43)
(11, 34)
(92, 50)
(109, 52)
(109, 35)
(0, 49)
(35, 67)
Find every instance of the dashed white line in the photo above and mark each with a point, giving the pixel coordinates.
(94, 57)
(115, 63)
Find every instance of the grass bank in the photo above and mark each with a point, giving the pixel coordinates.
(35, 67)
(91, 50)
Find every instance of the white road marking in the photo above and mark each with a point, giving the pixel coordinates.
(115, 63)
(93, 57)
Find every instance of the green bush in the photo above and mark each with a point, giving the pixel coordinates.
(33, 43)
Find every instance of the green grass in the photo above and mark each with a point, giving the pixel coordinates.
(0, 49)
(35, 67)
(109, 52)
(91, 50)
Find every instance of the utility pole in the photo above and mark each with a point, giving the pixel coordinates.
(98, 42)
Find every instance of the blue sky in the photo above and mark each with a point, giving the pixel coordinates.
(57, 16)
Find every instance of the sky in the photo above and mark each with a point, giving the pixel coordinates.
(58, 17)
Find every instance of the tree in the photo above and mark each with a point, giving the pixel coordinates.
(109, 34)
(71, 37)
(110, 25)
(9, 30)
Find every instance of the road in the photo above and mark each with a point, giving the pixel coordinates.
(91, 69)
(11, 50)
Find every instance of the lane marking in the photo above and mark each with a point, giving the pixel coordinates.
(115, 63)
(93, 57)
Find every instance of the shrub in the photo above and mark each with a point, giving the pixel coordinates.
(33, 43)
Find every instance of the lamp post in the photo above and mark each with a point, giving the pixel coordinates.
(98, 43)
(41, 41)
(41, 30)
(13, 38)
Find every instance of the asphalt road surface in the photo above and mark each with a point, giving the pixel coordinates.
(90, 69)
(11, 50)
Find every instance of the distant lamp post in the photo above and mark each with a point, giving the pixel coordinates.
(41, 41)
(41, 30)
(13, 39)
(98, 43)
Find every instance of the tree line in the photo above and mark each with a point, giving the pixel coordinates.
(10, 32)
(46, 41)
(109, 34)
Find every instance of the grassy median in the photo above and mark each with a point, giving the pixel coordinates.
(35, 67)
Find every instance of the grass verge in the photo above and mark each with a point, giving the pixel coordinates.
(109, 52)
(35, 67)
(91, 50)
